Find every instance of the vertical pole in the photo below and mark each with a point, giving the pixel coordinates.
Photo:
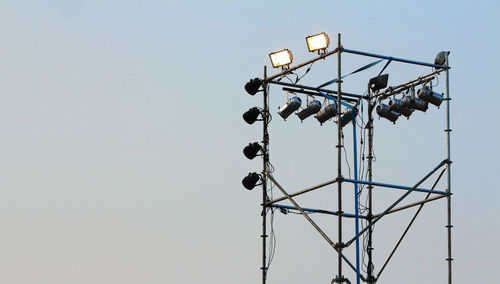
(356, 218)
(448, 130)
(339, 164)
(265, 159)
(370, 277)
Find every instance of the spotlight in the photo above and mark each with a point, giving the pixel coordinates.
(395, 105)
(385, 111)
(428, 95)
(292, 105)
(251, 150)
(281, 58)
(252, 87)
(414, 103)
(250, 116)
(311, 109)
(348, 116)
(378, 82)
(317, 42)
(326, 113)
(250, 180)
(441, 58)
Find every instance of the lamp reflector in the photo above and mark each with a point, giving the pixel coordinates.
(281, 58)
(250, 180)
(378, 82)
(250, 116)
(396, 105)
(384, 111)
(414, 103)
(252, 150)
(428, 95)
(326, 113)
(252, 87)
(317, 42)
(292, 105)
(311, 109)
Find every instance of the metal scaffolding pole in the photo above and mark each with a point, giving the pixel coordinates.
(339, 164)
(448, 132)
(265, 161)
(369, 249)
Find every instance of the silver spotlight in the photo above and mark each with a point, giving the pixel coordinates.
(428, 95)
(348, 116)
(396, 105)
(292, 105)
(385, 111)
(311, 109)
(326, 113)
(414, 103)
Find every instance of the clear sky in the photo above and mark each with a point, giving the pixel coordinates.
(121, 139)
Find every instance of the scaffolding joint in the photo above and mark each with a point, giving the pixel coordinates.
(339, 246)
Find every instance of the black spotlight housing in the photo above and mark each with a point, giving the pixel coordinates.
(252, 87)
(385, 111)
(348, 116)
(250, 180)
(252, 150)
(379, 82)
(250, 116)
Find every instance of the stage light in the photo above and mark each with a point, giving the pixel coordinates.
(378, 82)
(250, 116)
(281, 58)
(252, 150)
(384, 111)
(428, 95)
(396, 106)
(441, 58)
(250, 180)
(414, 103)
(348, 116)
(326, 113)
(311, 109)
(292, 105)
(252, 87)
(317, 42)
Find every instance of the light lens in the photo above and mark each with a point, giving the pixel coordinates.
(281, 58)
(317, 42)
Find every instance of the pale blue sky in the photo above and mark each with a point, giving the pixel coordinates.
(122, 135)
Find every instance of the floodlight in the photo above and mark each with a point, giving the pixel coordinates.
(396, 106)
(378, 82)
(281, 58)
(250, 116)
(311, 109)
(385, 111)
(428, 95)
(252, 150)
(326, 113)
(317, 42)
(348, 116)
(252, 87)
(441, 58)
(414, 103)
(292, 105)
(250, 180)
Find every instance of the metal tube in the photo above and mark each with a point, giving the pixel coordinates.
(369, 248)
(356, 211)
(286, 71)
(312, 210)
(396, 90)
(396, 203)
(311, 93)
(448, 132)
(396, 186)
(394, 58)
(313, 89)
(339, 157)
(303, 191)
(265, 161)
(410, 205)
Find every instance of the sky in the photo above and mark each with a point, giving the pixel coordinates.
(121, 150)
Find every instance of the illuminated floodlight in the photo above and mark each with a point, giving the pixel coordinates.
(414, 103)
(326, 113)
(317, 42)
(250, 181)
(292, 105)
(250, 116)
(428, 95)
(384, 111)
(397, 106)
(281, 58)
(311, 109)
(252, 150)
(252, 87)
(348, 116)
(378, 82)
